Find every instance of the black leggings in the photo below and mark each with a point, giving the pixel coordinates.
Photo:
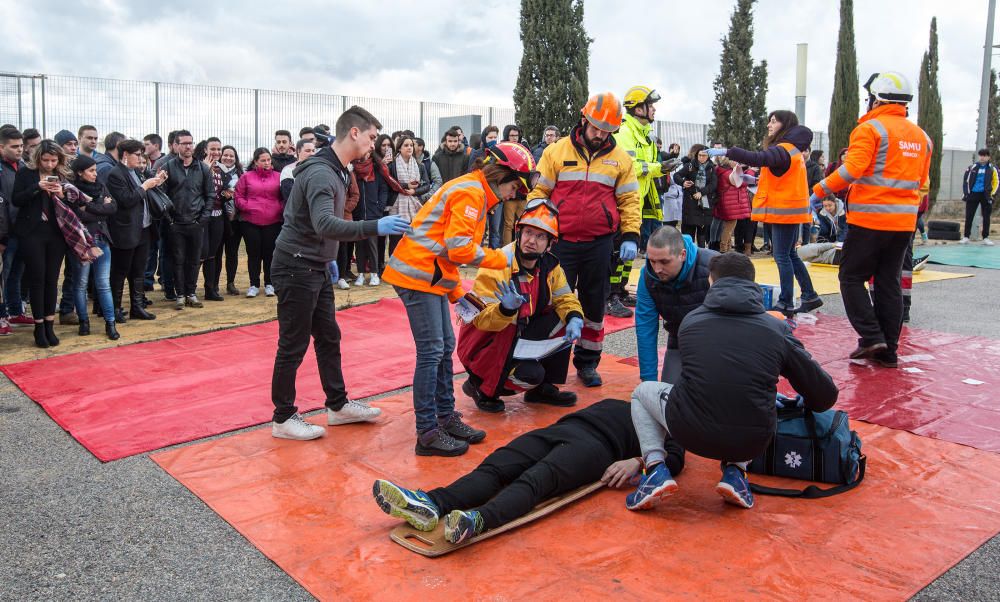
(211, 251)
(699, 234)
(532, 468)
(260, 248)
(42, 252)
(231, 244)
(344, 254)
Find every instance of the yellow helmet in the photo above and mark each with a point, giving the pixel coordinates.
(637, 95)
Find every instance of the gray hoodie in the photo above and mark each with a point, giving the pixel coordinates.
(312, 225)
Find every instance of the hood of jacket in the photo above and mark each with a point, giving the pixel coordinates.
(735, 296)
(689, 260)
(800, 136)
(324, 156)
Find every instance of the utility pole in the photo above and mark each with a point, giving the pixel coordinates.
(984, 100)
(801, 54)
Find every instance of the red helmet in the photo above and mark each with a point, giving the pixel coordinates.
(518, 159)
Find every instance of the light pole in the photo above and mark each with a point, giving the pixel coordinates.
(984, 96)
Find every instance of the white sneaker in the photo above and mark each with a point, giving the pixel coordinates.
(375, 281)
(964, 241)
(269, 290)
(360, 281)
(296, 428)
(252, 292)
(987, 242)
(342, 284)
(353, 411)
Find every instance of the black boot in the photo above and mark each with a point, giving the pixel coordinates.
(550, 394)
(84, 327)
(50, 333)
(138, 312)
(212, 294)
(120, 316)
(40, 339)
(112, 332)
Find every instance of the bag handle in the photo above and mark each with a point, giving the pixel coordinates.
(813, 492)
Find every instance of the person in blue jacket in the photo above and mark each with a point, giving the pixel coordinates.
(673, 283)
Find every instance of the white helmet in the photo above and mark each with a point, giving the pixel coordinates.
(889, 86)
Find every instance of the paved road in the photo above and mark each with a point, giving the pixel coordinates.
(74, 528)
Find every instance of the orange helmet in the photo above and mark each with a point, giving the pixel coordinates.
(603, 111)
(541, 214)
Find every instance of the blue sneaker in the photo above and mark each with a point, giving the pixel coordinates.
(415, 507)
(461, 525)
(734, 487)
(653, 487)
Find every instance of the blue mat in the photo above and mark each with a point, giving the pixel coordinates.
(973, 255)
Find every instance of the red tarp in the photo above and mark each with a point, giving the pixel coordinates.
(924, 505)
(136, 398)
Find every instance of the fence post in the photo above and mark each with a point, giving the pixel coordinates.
(34, 113)
(421, 119)
(256, 118)
(20, 120)
(490, 120)
(156, 107)
(44, 135)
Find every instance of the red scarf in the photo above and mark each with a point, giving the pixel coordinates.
(364, 169)
(391, 180)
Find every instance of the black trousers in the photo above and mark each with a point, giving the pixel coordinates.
(532, 468)
(42, 252)
(367, 250)
(344, 254)
(746, 231)
(588, 271)
(874, 254)
(620, 270)
(211, 251)
(260, 248)
(130, 265)
(699, 234)
(525, 375)
(231, 245)
(305, 308)
(974, 201)
(186, 241)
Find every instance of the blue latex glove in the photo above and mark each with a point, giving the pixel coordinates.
(749, 180)
(393, 225)
(815, 202)
(574, 329)
(510, 299)
(628, 251)
(716, 152)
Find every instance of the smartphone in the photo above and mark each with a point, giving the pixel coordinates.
(51, 178)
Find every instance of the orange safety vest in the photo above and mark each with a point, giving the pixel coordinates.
(887, 162)
(783, 199)
(447, 232)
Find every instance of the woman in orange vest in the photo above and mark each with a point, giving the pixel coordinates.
(782, 200)
(447, 232)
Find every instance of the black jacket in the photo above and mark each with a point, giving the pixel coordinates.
(732, 353)
(125, 225)
(279, 162)
(674, 303)
(30, 201)
(94, 215)
(692, 214)
(191, 189)
(8, 212)
(814, 173)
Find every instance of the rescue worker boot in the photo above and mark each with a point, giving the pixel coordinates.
(492, 405)
(550, 394)
(617, 309)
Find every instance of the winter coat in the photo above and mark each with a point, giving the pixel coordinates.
(126, 225)
(258, 197)
(814, 173)
(832, 228)
(718, 411)
(94, 214)
(672, 199)
(692, 211)
(452, 164)
(733, 200)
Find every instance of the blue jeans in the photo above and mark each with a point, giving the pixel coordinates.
(152, 260)
(433, 380)
(496, 226)
(102, 283)
(13, 271)
(790, 266)
(71, 276)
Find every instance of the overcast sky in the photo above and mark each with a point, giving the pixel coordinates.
(469, 51)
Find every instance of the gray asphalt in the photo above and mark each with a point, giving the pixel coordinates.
(76, 529)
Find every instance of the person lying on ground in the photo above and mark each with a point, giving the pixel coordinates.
(595, 443)
(723, 405)
(829, 253)
(529, 299)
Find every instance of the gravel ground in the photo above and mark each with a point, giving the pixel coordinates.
(75, 528)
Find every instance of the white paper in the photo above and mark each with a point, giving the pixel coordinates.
(972, 381)
(466, 311)
(536, 350)
(916, 358)
(913, 370)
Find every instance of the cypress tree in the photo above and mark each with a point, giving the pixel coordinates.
(552, 80)
(740, 87)
(929, 114)
(844, 103)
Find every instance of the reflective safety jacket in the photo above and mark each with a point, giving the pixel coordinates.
(597, 193)
(888, 159)
(447, 232)
(486, 346)
(633, 138)
(783, 199)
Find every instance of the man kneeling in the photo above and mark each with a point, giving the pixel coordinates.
(597, 442)
(529, 299)
(723, 405)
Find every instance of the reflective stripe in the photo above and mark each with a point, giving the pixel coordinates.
(826, 189)
(431, 245)
(489, 300)
(593, 325)
(604, 179)
(589, 345)
(880, 208)
(408, 270)
(571, 176)
(457, 241)
(882, 155)
(630, 187)
(599, 124)
(781, 210)
(434, 216)
(631, 153)
(842, 172)
(546, 182)
(562, 290)
(889, 183)
(794, 152)
(645, 168)
(480, 256)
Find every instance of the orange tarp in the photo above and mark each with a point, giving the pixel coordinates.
(924, 505)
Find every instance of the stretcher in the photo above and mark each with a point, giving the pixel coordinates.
(433, 544)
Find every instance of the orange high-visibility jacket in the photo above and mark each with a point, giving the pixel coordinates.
(447, 232)
(888, 159)
(783, 199)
